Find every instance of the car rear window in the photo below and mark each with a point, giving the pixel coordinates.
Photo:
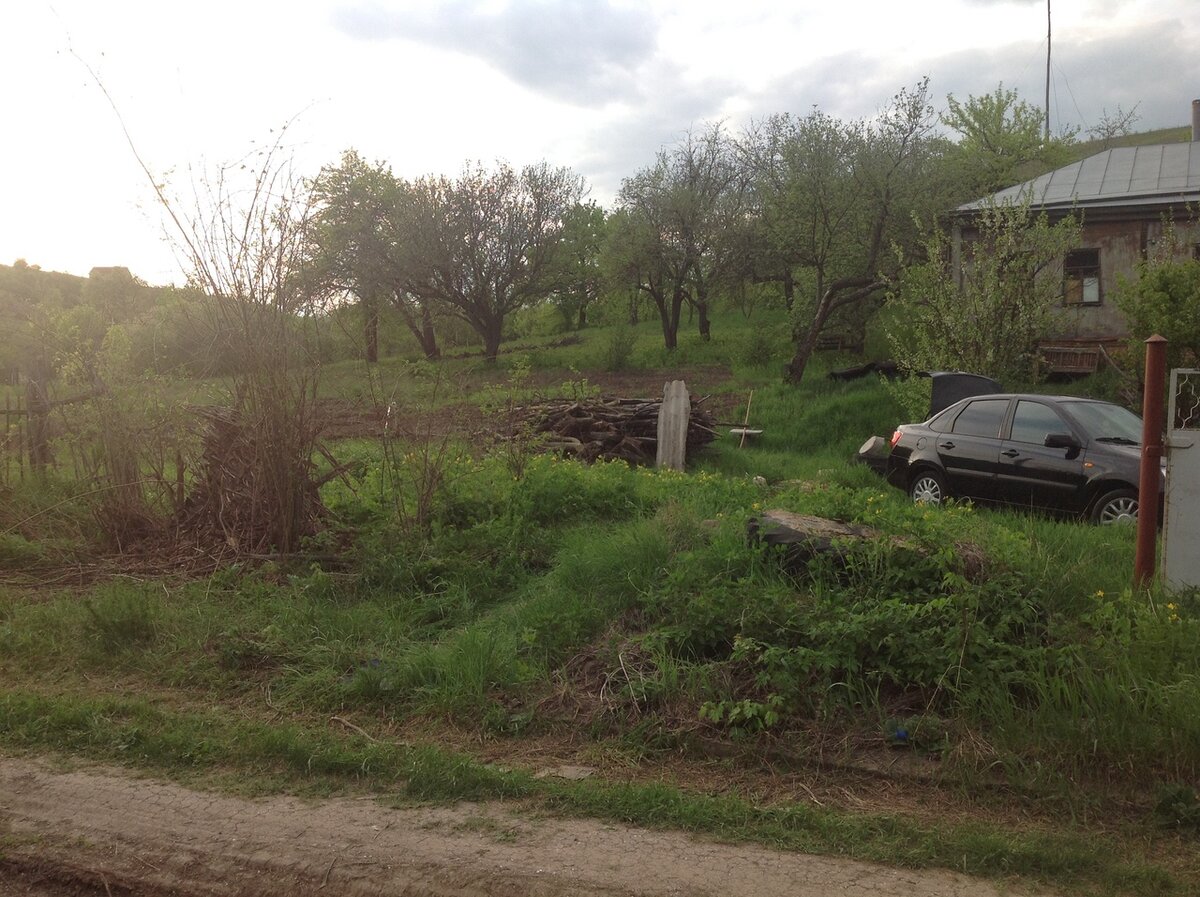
(981, 418)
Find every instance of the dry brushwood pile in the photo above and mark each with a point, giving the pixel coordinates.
(254, 490)
(606, 428)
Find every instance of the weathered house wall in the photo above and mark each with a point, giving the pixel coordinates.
(1123, 244)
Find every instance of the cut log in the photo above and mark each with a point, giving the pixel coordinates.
(803, 537)
(604, 428)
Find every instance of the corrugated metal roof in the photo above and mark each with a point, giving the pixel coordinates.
(1125, 176)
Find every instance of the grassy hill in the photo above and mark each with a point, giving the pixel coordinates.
(1083, 149)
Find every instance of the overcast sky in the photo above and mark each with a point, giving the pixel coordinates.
(598, 85)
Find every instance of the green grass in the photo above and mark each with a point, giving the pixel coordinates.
(1047, 675)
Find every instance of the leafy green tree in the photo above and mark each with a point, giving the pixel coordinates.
(580, 278)
(350, 252)
(987, 315)
(1164, 298)
(357, 231)
(1001, 142)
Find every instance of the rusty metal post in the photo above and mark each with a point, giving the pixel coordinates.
(1152, 452)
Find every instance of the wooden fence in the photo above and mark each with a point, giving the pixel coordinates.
(14, 440)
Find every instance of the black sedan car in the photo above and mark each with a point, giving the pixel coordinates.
(1059, 454)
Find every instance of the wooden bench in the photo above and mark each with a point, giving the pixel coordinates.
(1069, 359)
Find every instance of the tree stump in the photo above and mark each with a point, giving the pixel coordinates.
(802, 537)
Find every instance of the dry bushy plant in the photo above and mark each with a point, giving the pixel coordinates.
(244, 246)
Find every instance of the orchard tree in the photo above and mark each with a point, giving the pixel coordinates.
(832, 200)
(1001, 142)
(355, 248)
(1114, 124)
(579, 279)
(350, 251)
(681, 231)
(487, 243)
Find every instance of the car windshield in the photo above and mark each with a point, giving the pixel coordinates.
(1105, 422)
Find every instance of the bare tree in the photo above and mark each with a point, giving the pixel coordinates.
(1114, 124)
(681, 228)
(488, 243)
(833, 197)
(244, 243)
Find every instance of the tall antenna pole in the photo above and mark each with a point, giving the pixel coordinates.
(1047, 71)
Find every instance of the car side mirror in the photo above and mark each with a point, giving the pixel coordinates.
(1061, 440)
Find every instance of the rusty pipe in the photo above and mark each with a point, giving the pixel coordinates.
(1151, 466)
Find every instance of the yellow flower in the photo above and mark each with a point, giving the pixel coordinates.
(1099, 593)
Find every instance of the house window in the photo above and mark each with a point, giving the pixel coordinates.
(1081, 273)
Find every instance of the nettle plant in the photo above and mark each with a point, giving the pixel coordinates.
(923, 614)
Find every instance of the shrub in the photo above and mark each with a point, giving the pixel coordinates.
(618, 348)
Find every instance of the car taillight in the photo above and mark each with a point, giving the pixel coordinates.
(895, 438)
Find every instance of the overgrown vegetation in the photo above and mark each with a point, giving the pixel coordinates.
(983, 312)
(614, 609)
(279, 541)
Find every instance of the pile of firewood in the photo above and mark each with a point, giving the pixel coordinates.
(606, 428)
(249, 494)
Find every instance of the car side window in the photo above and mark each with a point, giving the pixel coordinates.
(942, 420)
(981, 418)
(1033, 422)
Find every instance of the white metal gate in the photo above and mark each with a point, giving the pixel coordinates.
(1181, 524)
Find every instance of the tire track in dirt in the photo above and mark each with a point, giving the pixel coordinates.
(101, 831)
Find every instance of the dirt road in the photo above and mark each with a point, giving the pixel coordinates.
(102, 832)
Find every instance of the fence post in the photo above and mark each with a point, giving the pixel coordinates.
(38, 432)
(1151, 468)
(673, 416)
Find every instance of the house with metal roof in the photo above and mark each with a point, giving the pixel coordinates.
(1126, 198)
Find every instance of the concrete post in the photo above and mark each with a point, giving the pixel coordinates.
(673, 417)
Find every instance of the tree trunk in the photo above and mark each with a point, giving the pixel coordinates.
(789, 289)
(794, 372)
(583, 321)
(37, 406)
(701, 303)
(670, 328)
(840, 292)
(491, 341)
(428, 337)
(371, 328)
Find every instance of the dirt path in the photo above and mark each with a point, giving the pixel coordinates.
(103, 832)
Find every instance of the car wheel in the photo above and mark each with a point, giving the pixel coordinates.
(1118, 506)
(927, 488)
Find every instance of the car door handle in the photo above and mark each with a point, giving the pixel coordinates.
(946, 445)
(1010, 453)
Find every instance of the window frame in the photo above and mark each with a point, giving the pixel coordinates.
(1077, 272)
(1000, 427)
(1016, 410)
